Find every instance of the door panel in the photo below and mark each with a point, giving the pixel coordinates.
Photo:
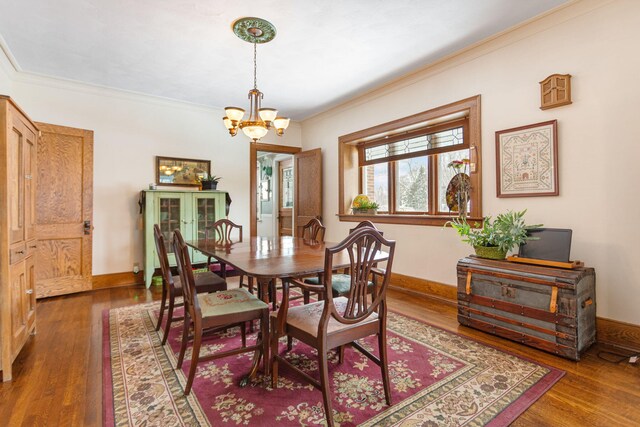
(18, 309)
(16, 180)
(64, 214)
(307, 188)
(29, 147)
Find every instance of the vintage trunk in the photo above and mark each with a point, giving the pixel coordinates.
(551, 309)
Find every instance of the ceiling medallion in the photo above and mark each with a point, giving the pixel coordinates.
(254, 30)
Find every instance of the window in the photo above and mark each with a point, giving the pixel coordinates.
(402, 165)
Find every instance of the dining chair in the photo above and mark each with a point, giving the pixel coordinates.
(224, 231)
(216, 311)
(313, 230)
(338, 321)
(341, 281)
(172, 285)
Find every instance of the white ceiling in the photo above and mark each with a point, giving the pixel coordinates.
(324, 53)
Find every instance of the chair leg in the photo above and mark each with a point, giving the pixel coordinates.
(382, 348)
(172, 300)
(274, 352)
(250, 285)
(195, 355)
(289, 342)
(162, 304)
(306, 297)
(341, 354)
(324, 382)
(185, 340)
(240, 282)
(243, 333)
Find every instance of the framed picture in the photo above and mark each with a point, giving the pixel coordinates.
(527, 160)
(181, 172)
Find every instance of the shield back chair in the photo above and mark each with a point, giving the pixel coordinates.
(341, 281)
(338, 321)
(217, 311)
(313, 230)
(172, 285)
(223, 232)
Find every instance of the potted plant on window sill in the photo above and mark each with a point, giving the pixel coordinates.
(362, 205)
(495, 238)
(209, 182)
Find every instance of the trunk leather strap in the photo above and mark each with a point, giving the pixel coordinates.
(553, 305)
(468, 288)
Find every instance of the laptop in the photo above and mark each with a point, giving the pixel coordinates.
(553, 244)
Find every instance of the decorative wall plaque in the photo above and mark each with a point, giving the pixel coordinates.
(555, 91)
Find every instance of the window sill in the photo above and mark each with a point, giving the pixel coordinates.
(430, 220)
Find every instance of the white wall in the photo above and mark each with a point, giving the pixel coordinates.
(129, 131)
(6, 72)
(599, 141)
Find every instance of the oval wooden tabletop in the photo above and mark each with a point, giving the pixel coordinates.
(269, 257)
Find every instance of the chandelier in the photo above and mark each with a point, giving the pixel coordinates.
(260, 120)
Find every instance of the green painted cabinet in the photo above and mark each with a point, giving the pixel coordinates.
(190, 211)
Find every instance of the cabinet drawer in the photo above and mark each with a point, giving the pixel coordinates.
(17, 253)
(32, 245)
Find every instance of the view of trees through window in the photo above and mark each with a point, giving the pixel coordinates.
(413, 187)
(412, 190)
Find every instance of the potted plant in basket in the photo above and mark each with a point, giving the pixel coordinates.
(209, 182)
(362, 205)
(496, 237)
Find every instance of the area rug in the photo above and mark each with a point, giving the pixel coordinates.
(438, 378)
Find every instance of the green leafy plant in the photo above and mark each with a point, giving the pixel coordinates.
(210, 178)
(507, 231)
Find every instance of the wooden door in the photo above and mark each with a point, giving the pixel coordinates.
(307, 188)
(285, 198)
(64, 210)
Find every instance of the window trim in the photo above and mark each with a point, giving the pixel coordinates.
(349, 153)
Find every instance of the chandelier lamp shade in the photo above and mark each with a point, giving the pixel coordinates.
(260, 120)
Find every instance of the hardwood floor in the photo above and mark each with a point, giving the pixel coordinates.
(58, 375)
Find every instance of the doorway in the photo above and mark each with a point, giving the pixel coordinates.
(274, 194)
(267, 193)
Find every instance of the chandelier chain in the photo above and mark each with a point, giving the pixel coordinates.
(255, 67)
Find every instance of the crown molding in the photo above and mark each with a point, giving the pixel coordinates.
(543, 22)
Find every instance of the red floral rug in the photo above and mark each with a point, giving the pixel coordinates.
(437, 379)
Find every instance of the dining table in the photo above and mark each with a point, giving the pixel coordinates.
(269, 258)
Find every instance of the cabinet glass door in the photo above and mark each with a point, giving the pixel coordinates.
(204, 218)
(170, 217)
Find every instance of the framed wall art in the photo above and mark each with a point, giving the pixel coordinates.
(181, 172)
(527, 160)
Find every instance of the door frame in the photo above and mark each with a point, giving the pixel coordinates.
(253, 182)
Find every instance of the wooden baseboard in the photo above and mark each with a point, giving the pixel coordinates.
(431, 289)
(114, 280)
(618, 334)
(608, 331)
